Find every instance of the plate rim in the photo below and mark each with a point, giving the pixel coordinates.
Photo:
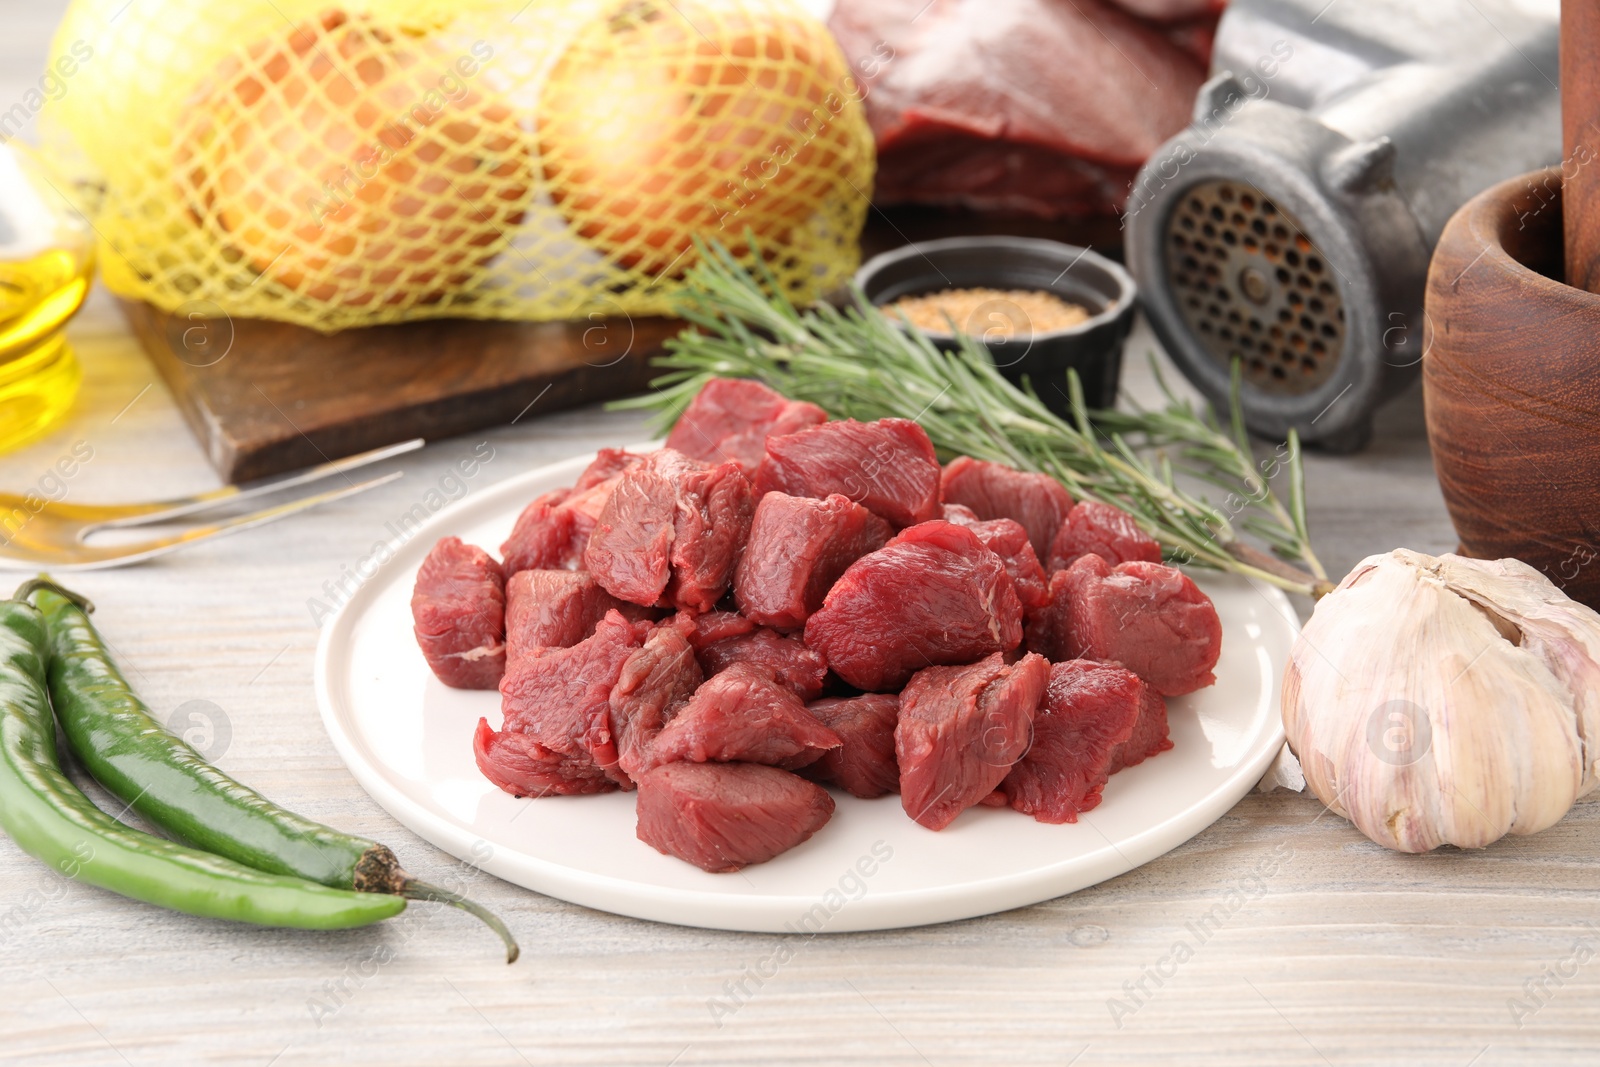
(734, 912)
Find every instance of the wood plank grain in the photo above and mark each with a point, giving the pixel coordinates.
(267, 397)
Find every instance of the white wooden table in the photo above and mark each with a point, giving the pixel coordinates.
(1345, 954)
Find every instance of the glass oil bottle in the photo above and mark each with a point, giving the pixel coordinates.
(46, 264)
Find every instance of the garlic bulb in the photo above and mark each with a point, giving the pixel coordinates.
(1446, 700)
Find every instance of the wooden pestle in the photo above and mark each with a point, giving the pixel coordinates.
(1580, 129)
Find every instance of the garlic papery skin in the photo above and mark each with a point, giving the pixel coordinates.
(1446, 700)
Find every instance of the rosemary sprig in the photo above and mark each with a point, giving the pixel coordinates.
(863, 365)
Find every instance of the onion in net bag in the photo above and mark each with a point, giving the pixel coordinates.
(348, 165)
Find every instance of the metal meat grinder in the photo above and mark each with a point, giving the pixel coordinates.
(1290, 226)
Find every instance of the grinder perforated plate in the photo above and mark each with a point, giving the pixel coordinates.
(1251, 286)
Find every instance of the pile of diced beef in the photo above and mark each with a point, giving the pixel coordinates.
(774, 603)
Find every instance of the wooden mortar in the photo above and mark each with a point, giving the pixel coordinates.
(1511, 383)
(1580, 136)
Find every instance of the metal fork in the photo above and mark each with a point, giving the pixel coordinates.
(56, 535)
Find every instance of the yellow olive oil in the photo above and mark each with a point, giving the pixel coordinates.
(39, 374)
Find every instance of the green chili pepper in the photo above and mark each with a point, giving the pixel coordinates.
(51, 819)
(124, 748)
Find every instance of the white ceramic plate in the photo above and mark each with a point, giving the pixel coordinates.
(407, 738)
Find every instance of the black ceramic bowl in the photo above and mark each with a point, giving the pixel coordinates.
(1093, 348)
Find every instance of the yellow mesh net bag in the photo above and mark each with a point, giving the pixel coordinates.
(348, 165)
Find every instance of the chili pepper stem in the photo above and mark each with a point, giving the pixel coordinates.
(379, 871)
(44, 581)
(415, 890)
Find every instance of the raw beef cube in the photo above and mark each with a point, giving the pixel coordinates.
(458, 614)
(798, 548)
(1171, 10)
(1197, 37)
(742, 716)
(995, 491)
(730, 419)
(713, 525)
(1089, 711)
(553, 609)
(630, 552)
(542, 538)
(789, 661)
(593, 489)
(585, 508)
(887, 466)
(724, 816)
(525, 768)
(552, 532)
(864, 765)
(609, 463)
(1093, 528)
(656, 682)
(713, 626)
(933, 595)
(554, 701)
(1007, 539)
(1150, 736)
(960, 730)
(671, 532)
(1146, 616)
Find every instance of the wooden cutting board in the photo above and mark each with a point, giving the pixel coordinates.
(267, 397)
